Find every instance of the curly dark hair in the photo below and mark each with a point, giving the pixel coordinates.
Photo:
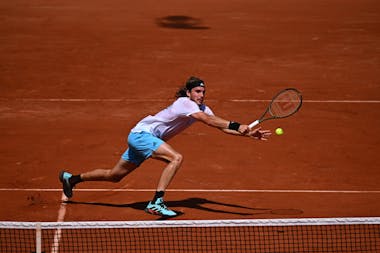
(190, 83)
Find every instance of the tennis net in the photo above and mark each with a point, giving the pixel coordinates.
(257, 235)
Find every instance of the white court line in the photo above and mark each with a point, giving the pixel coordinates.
(315, 101)
(61, 218)
(199, 190)
(111, 100)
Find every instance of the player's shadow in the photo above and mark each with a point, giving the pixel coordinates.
(195, 203)
(180, 22)
(199, 203)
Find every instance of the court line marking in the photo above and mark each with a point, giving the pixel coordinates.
(197, 190)
(315, 101)
(61, 218)
(360, 101)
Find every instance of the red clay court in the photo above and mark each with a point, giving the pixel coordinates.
(76, 76)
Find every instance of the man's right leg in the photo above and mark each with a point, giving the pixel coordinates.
(118, 172)
(174, 160)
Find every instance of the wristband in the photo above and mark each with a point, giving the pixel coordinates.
(234, 125)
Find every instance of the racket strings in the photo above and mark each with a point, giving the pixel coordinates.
(285, 104)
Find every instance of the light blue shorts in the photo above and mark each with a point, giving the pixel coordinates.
(140, 147)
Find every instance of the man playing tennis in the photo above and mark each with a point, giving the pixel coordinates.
(148, 139)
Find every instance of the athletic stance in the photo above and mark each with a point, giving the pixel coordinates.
(148, 139)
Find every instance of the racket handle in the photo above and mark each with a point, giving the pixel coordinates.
(254, 123)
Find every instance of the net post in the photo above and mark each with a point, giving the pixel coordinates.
(38, 237)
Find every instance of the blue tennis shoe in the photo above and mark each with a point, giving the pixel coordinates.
(67, 187)
(159, 208)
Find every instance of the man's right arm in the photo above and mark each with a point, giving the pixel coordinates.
(218, 122)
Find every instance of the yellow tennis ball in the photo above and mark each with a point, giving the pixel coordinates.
(279, 131)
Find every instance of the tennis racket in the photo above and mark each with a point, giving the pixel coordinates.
(286, 103)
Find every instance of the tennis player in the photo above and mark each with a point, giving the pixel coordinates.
(149, 139)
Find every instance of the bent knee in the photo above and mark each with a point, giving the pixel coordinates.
(177, 158)
(115, 178)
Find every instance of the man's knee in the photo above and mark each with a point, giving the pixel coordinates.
(115, 178)
(121, 169)
(177, 158)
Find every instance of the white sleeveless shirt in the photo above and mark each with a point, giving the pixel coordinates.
(171, 120)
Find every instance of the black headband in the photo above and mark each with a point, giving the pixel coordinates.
(193, 84)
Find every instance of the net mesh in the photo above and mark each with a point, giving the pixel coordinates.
(286, 103)
(288, 235)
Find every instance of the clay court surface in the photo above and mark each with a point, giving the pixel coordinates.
(75, 76)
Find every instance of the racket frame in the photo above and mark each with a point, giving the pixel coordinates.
(261, 119)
